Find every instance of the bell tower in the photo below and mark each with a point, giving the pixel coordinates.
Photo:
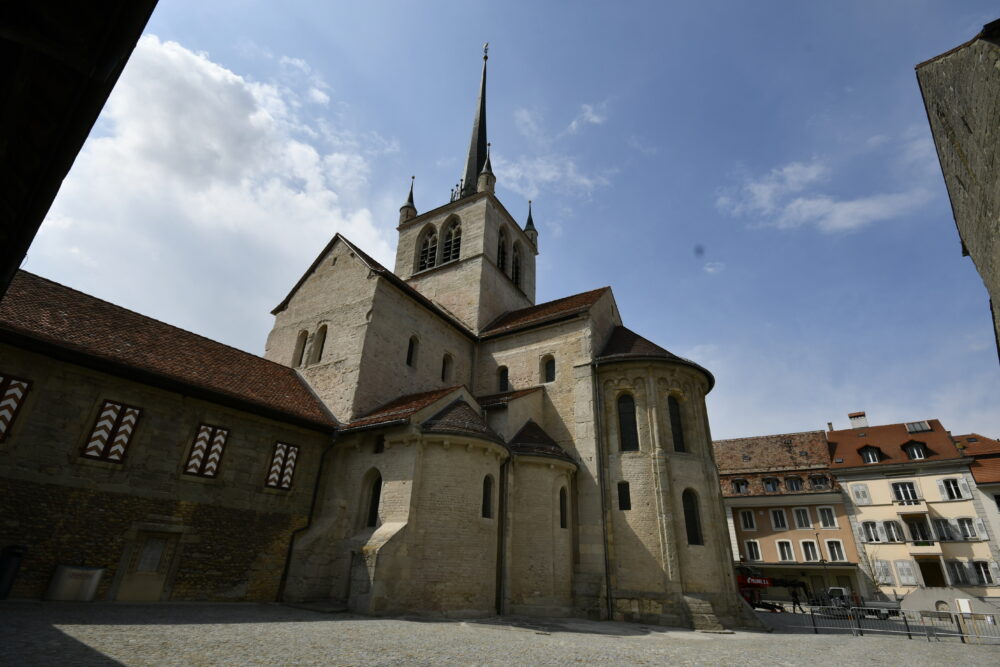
(470, 255)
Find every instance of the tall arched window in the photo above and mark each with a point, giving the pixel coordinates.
(411, 351)
(676, 427)
(502, 250)
(548, 368)
(298, 356)
(373, 500)
(628, 434)
(428, 252)
(692, 522)
(487, 512)
(563, 518)
(446, 367)
(452, 247)
(319, 342)
(515, 266)
(503, 383)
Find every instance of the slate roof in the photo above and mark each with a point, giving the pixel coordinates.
(501, 400)
(459, 418)
(542, 313)
(40, 313)
(531, 440)
(889, 438)
(625, 344)
(399, 410)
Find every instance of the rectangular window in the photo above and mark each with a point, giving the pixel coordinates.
(802, 518)
(893, 533)
(983, 575)
(835, 550)
(624, 498)
(112, 432)
(785, 551)
(12, 393)
(918, 530)
(778, 520)
(809, 551)
(771, 485)
(905, 493)
(883, 573)
(943, 530)
(827, 518)
(748, 520)
(957, 572)
(793, 484)
(282, 468)
(950, 489)
(967, 529)
(206, 452)
(753, 550)
(871, 531)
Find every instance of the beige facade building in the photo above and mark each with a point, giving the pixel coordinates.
(913, 507)
(786, 515)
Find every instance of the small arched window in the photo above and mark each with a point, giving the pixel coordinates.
(563, 518)
(411, 351)
(692, 522)
(503, 381)
(298, 356)
(628, 434)
(548, 368)
(446, 368)
(374, 496)
(319, 342)
(676, 427)
(502, 250)
(428, 252)
(515, 266)
(487, 512)
(452, 247)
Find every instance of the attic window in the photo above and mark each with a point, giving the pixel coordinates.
(917, 427)
(870, 454)
(786, 442)
(746, 457)
(838, 460)
(803, 452)
(972, 439)
(915, 451)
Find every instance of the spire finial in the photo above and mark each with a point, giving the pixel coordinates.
(409, 200)
(486, 51)
(477, 144)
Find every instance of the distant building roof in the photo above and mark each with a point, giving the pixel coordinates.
(39, 313)
(986, 470)
(502, 399)
(531, 440)
(781, 451)
(399, 410)
(890, 440)
(973, 444)
(625, 344)
(459, 418)
(543, 313)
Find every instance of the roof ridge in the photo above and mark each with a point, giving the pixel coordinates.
(770, 435)
(154, 319)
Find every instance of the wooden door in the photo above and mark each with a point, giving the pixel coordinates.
(148, 567)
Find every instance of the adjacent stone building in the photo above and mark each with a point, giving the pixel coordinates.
(961, 90)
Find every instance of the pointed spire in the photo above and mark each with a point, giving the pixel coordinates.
(409, 200)
(487, 181)
(530, 224)
(529, 229)
(408, 210)
(477, 144)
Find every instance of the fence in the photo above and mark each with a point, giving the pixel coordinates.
(863, 621)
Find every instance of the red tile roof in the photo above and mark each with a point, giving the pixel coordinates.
(973, 444)
(889, 439)
(502, 399)
(398, 410)
(36, 311)
(986, 470)
(766, 453)
(542, 313)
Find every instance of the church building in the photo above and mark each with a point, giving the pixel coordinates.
(425, 439)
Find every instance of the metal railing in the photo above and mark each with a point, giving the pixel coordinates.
(932, 625)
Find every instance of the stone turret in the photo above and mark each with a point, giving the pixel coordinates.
(408, 210)
(529, 228)
(487, 181)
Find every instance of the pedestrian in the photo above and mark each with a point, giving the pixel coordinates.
(795, 601)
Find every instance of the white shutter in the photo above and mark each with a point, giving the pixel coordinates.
(905, 572)
(884, 573)
(964, 487)
(881, 532)
(861, 533)
(916, 488)
(860, 492)
(956, 532)
(970, 572)
(995, 572)
(980, 529)
(941, 490)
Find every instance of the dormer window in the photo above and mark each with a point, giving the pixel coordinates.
(819, 482)
(793, 483)
(871, 454)
(915, 451)
(917, 427)
(741, 486)
(771, 485)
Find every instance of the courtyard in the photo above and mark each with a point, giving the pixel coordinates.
(47, 633)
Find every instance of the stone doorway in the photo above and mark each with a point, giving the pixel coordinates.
(147, 569)
(932, 573)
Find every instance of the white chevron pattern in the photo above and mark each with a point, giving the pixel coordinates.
(12, 393)
(123, 434)
(277, 463)
(102, 430)
(198, 450)
(215, 453)
(286, 478)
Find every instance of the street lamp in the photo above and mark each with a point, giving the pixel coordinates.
(822, 561)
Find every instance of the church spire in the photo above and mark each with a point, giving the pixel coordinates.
(477, 145)
(529, 228)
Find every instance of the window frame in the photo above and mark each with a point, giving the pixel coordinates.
(427, 249)
(791, 550)
(753, 520)
(833, 515)
(793, 483)
(624, 497)
(548, 361)
(486, 508)
(692, 518)
(805, 551)
(775, 480)
(212, 443)
(756, 546)
(829, 552)
(915, 451)
(412, 351)
(870, 454)
(628, 423)
(451, 247)
(740, 486)
(778, 511)
(279, 467)
(795, 515)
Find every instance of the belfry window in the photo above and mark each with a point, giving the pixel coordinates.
(676, 427)
(452, 247)
(503, 383)
(428, 252)
(628, 434)
(692, 522)
(515, 267)
(502, 250)
(298, 356)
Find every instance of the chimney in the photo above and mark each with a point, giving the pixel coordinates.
(829, 426)
(858, 420)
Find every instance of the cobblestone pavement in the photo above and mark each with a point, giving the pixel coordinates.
(36, 633)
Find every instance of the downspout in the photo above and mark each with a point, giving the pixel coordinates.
(598, 439)
(309, 519)
(501, 568)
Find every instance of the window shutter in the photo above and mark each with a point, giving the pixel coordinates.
(964, 487)
(881, 532)
(905, 572)
(198, 450)
(943, 492)
(124, 434)
(277, 462)
(995, 572)
(215, 452)
(106, 421)
(12, 393)
(112, 432)
(286, 477)
(971, 575)
(980, 529)
(884, 573)
(861, 533)
(956, 532)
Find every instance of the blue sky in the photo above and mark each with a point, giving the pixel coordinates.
(756, 181)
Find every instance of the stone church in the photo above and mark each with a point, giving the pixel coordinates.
(426, 439)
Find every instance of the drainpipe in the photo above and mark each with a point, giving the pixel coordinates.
(501, 568)
(312, 510)
(598, 440)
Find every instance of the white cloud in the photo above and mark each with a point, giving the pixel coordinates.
(836, 216)
(587, 116)
(208, 196)
(642, 145)
(528, 175)
(714, 267)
